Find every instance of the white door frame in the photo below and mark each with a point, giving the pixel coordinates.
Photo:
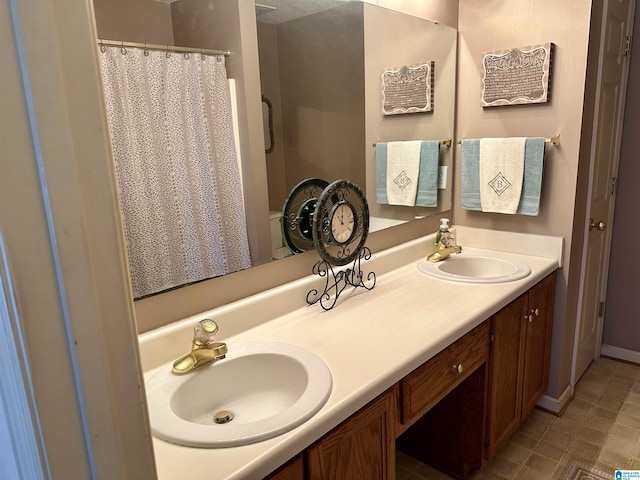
(23, 454)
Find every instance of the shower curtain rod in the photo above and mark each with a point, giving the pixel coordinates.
(163, 48)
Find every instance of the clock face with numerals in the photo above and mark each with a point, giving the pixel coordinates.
(343, 222)
(340, 222)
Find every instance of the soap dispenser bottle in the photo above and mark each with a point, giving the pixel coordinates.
(444, 228)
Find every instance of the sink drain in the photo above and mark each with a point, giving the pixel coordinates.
(223, 416)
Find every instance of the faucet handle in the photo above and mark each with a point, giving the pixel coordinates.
(205, 332)
(448, 239)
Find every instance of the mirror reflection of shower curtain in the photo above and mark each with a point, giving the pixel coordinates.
(177, 175)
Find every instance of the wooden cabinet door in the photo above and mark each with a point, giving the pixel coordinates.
(292, 470)
(538, 343)
(361, 448)
(505, 393)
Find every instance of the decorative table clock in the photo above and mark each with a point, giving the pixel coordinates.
(340, 228)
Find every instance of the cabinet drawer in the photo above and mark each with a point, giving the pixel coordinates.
(426, 385)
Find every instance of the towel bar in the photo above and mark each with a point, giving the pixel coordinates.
(444, 143)
(555, 139)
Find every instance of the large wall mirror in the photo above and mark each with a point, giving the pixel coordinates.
(320, 65)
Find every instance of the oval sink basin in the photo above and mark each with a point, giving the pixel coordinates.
(260, 390)
(476, 268)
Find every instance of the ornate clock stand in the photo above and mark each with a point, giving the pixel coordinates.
(337, 281)
(340, 228)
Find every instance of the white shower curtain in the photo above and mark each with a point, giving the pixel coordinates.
(178, 178)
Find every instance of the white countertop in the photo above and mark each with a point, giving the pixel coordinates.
(369, 341)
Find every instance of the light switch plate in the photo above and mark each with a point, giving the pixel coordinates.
(442, 177)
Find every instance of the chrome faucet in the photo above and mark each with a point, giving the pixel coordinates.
(444, 248)
(204, 350)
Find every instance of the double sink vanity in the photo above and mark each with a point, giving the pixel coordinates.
(441, 361)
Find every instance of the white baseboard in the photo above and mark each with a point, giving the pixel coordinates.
(555, 405)
(620, 353)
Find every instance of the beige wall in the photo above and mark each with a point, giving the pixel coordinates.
(393, 40)
(321, 78)
(270, 87)
(141, 21)
(621, 325)
(493, 25)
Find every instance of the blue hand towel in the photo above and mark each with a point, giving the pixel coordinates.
(427, 195)
(381, 173)
(471, 174)
(534, 150)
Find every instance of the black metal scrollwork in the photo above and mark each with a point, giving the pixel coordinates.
(337, 281)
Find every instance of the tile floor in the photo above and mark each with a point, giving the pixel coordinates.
(601, 427)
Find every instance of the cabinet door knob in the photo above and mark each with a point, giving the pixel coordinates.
(458, 368)
(537, 312)
(529, 318)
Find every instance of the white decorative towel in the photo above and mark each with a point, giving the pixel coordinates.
(501, 173)
(403, 168)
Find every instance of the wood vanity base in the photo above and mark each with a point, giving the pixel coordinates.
(455, 411)
(449, 436)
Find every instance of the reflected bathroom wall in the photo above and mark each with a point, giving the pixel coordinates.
(312, 70)
(322, 73)
(394, 39)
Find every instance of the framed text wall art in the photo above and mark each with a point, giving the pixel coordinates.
(407, 89)
(517, 76)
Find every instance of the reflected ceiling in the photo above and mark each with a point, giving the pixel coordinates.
(279, 11)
